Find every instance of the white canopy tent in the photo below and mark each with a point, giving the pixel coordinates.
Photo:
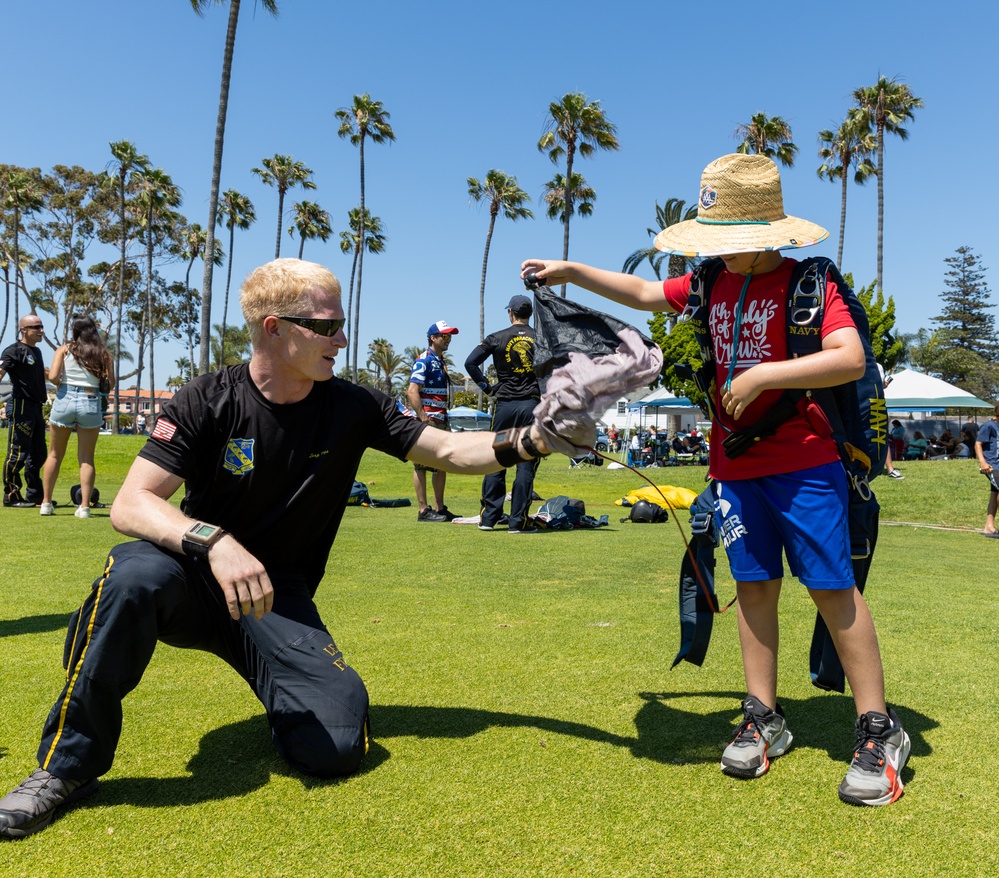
(912, 391)
(662, 402)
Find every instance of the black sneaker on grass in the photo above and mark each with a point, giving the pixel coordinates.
(875, 775)
(448, 514)
(762, 736)
(429, 514)
(30, 807)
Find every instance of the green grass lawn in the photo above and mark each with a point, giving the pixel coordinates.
(525, 718)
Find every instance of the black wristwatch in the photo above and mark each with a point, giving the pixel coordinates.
(505, 446)
(200, 538)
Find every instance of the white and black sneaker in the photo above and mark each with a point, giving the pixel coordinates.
(762, 736)
(875, 774)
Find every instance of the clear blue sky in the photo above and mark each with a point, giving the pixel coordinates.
(468, 86)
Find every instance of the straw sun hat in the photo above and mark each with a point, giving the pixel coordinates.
(740, 210)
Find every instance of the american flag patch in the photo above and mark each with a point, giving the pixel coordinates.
(164, 430)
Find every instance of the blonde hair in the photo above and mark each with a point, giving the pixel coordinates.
(280, 287)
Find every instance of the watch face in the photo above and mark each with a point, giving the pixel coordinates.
(204, 534)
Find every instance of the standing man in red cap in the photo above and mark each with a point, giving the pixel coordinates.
(429, 394)
(517, 393)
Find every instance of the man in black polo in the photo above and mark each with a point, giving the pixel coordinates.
(26, 446)
(517, 393)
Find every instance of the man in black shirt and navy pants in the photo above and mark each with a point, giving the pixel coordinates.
(26, 447)
(267, 453)
(517, 393)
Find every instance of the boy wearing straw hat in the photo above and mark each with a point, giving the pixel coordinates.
(788, 493)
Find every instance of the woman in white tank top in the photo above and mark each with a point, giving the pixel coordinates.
(78, 367)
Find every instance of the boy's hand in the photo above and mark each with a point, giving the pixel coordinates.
(744, 389)
(548, 271)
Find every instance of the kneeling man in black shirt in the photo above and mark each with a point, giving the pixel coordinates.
(267, 453)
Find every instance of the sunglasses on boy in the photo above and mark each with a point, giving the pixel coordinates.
(320, 326)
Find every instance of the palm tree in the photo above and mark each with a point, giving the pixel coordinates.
(364, 118)
(675, 211)
(237, 346)
(199, 7)
(185, 371)
(350, 241)
(575, 124)
(285, 173)
(503, 194)
(156, 195)
(769, 136)
(579, 199)
(311, 221)
(385, 363)
(235, 212)
(850, 145)
(194, 240)
(126, 163)
(885, 107)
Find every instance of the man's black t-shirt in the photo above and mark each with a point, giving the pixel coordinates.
(512, 350)
(277, 477)
(23, 363)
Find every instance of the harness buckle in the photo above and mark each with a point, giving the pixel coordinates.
(807, 298)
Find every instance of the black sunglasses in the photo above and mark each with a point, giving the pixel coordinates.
(329, 328)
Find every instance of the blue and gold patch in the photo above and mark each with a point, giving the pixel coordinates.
(238, 456)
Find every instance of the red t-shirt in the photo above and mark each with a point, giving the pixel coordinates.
(762, 338)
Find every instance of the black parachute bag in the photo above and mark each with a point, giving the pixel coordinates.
(76, 496)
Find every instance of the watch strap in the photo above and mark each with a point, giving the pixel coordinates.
(529, 445)
(195, 550)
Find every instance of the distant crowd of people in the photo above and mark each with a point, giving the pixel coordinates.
(921, 447)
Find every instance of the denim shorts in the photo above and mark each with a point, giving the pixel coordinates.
(76, 407)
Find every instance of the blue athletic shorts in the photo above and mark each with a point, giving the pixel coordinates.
(76, 407)
(802, 514)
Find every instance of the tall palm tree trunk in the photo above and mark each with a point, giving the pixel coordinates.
(149, 323)
(482, 283)
(138, 371)
(350, 304)
(277, 243)
(187, 313)
(842, 220)
(17, 263)
(493, 211)
(881, 200)
(360, 265)
(568, 205)
(213, 199)
(121, 296)
(225, 303)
